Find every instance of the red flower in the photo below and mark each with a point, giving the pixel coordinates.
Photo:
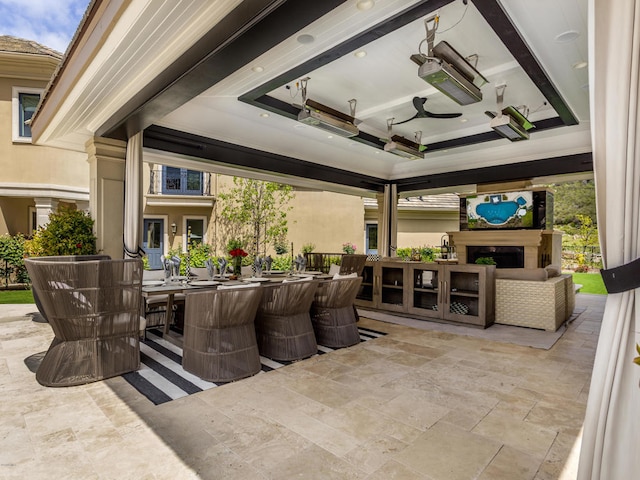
(238, 252)
(78, 245)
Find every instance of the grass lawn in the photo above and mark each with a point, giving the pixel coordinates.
(591, 283)
(16, 296)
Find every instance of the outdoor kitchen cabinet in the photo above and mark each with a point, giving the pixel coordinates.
(383, 286)
(458, 293)
(443, 292)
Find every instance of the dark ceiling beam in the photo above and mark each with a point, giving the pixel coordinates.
(183, 143)
(497, 20)
(540, 126)
(251, 29)
(501, 24)
(577, 163)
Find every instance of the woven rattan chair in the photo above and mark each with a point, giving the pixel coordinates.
(219, 334)
(332, 312)
(283, 325)
(94, 310)
(352, 263)
(63, 258)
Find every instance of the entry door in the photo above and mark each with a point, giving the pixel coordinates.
(153, 241)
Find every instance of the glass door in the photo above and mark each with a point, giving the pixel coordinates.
(153, 241)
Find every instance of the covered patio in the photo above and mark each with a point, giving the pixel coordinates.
(413, 404)
(221, 87)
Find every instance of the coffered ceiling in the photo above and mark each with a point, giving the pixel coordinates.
(228, 98)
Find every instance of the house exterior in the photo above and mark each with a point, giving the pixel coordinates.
(35, 179)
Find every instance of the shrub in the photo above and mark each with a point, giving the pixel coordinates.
(12, 258)
(582, 269)
(198, 254)
(308, 248)
(69, 232)
(281, 263)
(427, 254)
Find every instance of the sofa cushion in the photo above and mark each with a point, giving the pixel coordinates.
(536, 274)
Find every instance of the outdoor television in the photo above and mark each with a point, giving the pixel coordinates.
(532, 209)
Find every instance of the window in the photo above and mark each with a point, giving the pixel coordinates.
(180, 181)
(24, 104)
(195, 228)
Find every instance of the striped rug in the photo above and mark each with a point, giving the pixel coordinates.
(161, 377)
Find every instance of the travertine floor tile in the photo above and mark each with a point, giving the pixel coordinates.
(416, 404)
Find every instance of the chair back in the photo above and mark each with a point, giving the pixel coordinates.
(288, 298)
(353, 263)
(219, 335)
(337, 293)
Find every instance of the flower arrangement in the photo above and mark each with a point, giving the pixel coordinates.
(349, 248)
(238, 252)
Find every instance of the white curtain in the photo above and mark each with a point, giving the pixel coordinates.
(133, 198)
(388, 221)
(611, 438)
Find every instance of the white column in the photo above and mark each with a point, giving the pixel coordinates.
(106, 159)
(44, 206)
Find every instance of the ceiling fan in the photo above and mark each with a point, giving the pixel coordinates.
(418, 103)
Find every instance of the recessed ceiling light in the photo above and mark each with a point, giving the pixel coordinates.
(579, 65)
(360, 54)
(567, 36)
(463, 120)
(258, 69)
(365, 5)
(329, 136)
(264, 115)
(305, 39)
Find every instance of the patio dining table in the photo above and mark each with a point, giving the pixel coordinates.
(170, 289)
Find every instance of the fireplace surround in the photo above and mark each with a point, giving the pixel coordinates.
(539, 247)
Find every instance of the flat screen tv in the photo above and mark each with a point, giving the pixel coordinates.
(529, 209)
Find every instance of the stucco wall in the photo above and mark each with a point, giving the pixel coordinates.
(34, 164)
(327, 220)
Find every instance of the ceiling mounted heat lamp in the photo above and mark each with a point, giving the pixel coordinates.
(324, 117)
(448, 71)
(404, 147)
(509, 122)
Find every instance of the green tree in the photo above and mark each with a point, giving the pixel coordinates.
(255, 212)
(572, 199)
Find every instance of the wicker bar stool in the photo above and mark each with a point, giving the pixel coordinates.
(219, 334)
(332, 312)
(283, 325)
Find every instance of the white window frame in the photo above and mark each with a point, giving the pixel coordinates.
(184, 229)
(15, 111)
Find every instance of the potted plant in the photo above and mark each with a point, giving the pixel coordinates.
(485, 261)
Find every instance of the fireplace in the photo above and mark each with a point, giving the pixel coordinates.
(539, 247)
(504, 256)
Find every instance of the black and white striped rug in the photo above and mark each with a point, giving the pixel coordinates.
(161, 377)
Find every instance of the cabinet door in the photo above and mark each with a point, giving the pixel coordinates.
(366, 296)
(465, 294)
(425, 292)
(392, 279)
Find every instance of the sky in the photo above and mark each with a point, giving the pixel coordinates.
(51, 23)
